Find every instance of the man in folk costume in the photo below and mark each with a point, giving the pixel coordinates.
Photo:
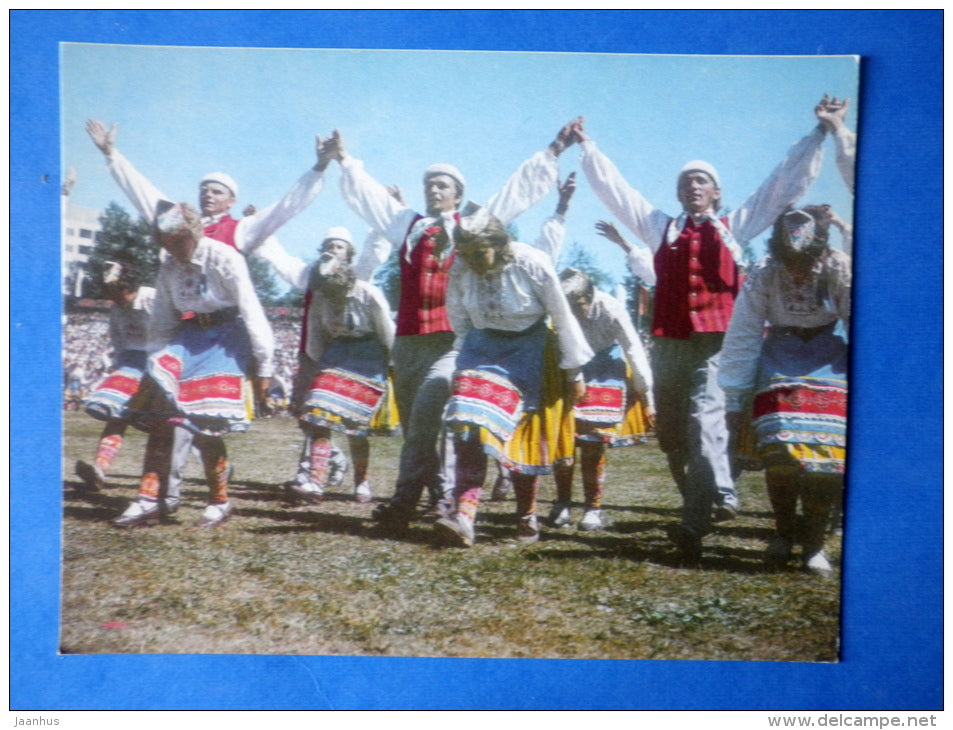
(423, 354)
(696, 260)
(208, 330)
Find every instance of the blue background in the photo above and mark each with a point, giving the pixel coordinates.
(892, 624)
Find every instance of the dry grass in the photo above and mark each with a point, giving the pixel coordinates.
(281, 579)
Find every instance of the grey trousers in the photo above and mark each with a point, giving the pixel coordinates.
(691, 424)
(423, 371)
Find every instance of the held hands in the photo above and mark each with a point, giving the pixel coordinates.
(566, 136)
(396, 194)
(261, 396)
(104, 139)
(328, 149)
(831, 112)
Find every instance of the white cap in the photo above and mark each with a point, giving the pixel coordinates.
(701, 166)
(222, 179)
(338, 233)
(445, 169)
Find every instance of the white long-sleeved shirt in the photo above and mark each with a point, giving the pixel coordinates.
(365, 312)
(129, 325)
(786, 184)
(251, 231)
(513, 299)
(373, 202)
(845, 143)
(771, 296)
(608, 323)
(215, 278)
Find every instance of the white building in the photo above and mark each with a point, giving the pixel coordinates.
(81, 230)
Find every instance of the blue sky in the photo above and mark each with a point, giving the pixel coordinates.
(253, 113)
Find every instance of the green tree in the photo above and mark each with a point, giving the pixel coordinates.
(263, 279)
(124, 240)
(578, 257)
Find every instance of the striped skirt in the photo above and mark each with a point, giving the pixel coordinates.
(351, 391)
(110, 396)
(198, 382)
(606, 414)
(509, 392)
(800, 407)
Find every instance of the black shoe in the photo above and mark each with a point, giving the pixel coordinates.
(92, 476)
(688, 543)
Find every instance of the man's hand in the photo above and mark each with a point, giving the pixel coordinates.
(649, 414)
(831, 112)
(104, 139)
(577, 391)
(329, 149)
(565, 137)
(69, 182)
(566, 191)
(608, 230)
(261, 397)
(250, 209)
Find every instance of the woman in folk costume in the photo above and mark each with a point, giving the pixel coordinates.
(128, 328)
(798, 375)
(347, 335)
(207, 335)
(618, 400)
(508, 397)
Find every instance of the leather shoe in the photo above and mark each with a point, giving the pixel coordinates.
(215, 514)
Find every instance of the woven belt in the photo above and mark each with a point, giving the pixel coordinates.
(207, 320)
(807, 333)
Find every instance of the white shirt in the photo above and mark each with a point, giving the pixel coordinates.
(786, 184)
(608, 323)
(771, 296)
(514, 299)
(845, 143)
(129, 325)
(364, 313)
(371, 201)
(251, 231)
(215, 278)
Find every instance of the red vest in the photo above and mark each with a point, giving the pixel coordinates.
(223, 230)
(697, 282)
(423, 286)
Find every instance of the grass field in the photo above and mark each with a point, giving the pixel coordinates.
(282, 579)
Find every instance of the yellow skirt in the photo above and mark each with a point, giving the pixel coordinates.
(545, 437)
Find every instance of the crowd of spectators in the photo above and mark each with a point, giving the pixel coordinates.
(86, 353)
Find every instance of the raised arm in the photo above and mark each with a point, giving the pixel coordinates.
(141, 193)
(640, 259)
(253, 230)
(621, 199)
(783, 187)
(832, 113)
(533, 178)
(371, 200)
(553, 231)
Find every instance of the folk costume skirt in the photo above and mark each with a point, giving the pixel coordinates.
(609, 413)
(351, 392)
(800, 407)
(111, 395)
(198, 381)
(509, 392)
